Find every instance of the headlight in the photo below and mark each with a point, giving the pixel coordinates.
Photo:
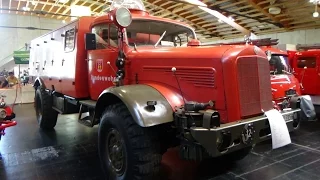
(2, 104)
(3, 113)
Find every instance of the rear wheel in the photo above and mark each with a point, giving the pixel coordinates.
(127, 151)
(46, 116)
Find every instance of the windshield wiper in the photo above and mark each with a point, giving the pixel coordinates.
(160, 39)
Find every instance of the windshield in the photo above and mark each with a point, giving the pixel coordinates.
(148, 32)
(279, 64)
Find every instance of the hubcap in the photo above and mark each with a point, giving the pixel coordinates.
(115, 152)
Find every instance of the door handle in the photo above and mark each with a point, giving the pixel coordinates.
(62, 61)
(88, 59)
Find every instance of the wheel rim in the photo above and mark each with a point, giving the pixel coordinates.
(115, 152)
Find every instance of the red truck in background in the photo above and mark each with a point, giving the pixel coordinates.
(306, 65)
(149, 85)
(285, 86)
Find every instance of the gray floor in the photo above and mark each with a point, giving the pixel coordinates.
(70, 152)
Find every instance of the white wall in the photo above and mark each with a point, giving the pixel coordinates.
(311, 36)
(14, 39)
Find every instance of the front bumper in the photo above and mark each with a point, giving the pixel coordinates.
(233, 136)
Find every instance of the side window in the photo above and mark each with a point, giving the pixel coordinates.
(102, 36)
(70, 37)
(309, 62)
(113, 35)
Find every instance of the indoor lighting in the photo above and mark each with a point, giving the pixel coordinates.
(220, 21)
(80, 10)
(26, 8)
(196, 2)
(231, 18)
(62, 1)
(63, 21)
(315, 14)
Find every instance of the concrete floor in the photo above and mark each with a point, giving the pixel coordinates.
(70, 152)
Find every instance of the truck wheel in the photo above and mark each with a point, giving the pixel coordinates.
(238, 155)
(127, 151)
(46, 116)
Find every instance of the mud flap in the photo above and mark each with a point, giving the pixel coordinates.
(308, 112)
(279, 130)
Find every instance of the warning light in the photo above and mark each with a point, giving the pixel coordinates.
(129, 4)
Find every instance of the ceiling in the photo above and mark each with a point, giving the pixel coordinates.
(251, 14)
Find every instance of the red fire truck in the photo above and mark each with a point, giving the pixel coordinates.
(306, 65)
(149, 85)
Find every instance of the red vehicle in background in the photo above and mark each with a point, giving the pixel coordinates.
(6, 116)
(284, 85)
(306, 65)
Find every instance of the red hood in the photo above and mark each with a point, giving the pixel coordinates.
(281, 83)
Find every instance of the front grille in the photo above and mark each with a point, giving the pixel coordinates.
(254, 86)
(290, 92)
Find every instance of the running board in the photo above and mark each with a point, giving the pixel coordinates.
(85, 106)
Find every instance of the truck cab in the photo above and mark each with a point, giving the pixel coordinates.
(283, 83)
(306, 66)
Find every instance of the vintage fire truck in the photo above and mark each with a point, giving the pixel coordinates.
(306, 65)
(150, 85)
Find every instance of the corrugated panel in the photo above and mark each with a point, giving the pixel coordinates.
(252, 73)
(198, 76)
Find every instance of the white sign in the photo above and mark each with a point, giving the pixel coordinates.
(279, 130)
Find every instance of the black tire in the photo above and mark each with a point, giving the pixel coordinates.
(46, 116)
(239, 154)
(138, 146)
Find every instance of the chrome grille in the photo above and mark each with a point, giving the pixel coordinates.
(254, 85)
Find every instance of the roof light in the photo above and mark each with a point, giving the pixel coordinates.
(129, 4)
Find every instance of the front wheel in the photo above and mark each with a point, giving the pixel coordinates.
(127, 151)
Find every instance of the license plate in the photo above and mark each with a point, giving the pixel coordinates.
(288, 117)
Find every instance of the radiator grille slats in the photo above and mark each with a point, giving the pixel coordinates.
(198, 76)
(254, 85)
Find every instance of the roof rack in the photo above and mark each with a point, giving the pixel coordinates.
(305, 47)
(256, 42)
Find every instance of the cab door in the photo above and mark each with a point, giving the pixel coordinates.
(101, 61)
(307, 72)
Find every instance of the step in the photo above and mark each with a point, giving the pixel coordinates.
(85, 121)
(89, 103)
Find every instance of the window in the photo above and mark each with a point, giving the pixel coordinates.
(102, 35)
(69, 40)
(309, 62)
(279, 64)
(148, 32)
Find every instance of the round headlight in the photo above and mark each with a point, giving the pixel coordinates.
(3, 113)
(2, 104)
(123, 17)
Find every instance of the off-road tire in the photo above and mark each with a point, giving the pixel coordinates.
(239, 154)
(141, 149)
(46, 116)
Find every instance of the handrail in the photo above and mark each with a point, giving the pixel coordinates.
(4, 60)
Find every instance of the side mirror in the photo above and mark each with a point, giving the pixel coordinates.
(90, 41)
